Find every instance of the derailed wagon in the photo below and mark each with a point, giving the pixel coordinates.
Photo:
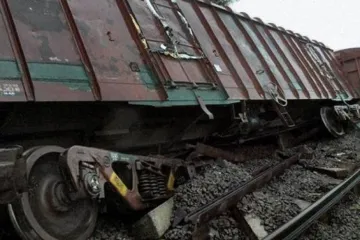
(82, 76)
(349, 60)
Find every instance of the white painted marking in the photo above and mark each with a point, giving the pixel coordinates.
(218, 68)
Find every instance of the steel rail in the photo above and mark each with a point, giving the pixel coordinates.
(223, 203)
(295, 227)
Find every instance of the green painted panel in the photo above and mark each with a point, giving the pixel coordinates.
(73, 76)
(9, 70)
(148, 77)
(122, 157)
(57, 72)
(340, 97)
(187, 96)
(73, 86)
(180, 103)
(181, 96)
(45, 71)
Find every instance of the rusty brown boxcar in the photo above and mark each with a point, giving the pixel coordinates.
(349, 60)
(128, 75)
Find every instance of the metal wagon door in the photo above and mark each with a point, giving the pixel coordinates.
(174, 50)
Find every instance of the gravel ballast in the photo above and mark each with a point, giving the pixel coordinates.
(274, 204)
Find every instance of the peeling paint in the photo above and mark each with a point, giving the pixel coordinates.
(54, 59)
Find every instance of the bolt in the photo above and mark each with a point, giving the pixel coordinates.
(107, 161)
(93, 184)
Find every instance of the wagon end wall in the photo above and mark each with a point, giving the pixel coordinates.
(349, 60)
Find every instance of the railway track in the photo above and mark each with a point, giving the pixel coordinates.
(295, 227)
(282, 209)
(275, 205)
(92, 121)
(267, 196)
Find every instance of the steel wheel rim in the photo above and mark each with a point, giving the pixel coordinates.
(328, 117)
(37, 216)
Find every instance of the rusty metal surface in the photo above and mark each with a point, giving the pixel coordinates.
(349, 60)
(77, 154)
(213, 152)
(45, 39)
(7, 54)
(112, 50)
(12, 174)
(87, 50)
(175, 69)
(133, 192)
(7, 193)
(261, 53)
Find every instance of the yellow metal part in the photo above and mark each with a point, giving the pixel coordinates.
(138, 29)
(171, 181)
(118, 184)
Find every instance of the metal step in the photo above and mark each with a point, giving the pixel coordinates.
(284, 115)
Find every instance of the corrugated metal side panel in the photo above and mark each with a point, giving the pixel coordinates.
(258, 55)
(349, 61)
(222, 50)
(87, 50)
(212, 46)
(11, 87)
(193, 68)
(51, 56)
(341, 80)
(118, 65)
(313, 60)
(310, 65)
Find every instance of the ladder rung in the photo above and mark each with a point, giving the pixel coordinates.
(284, 115)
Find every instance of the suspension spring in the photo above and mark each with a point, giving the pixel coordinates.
(151, 185)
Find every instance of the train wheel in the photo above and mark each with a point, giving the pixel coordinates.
(45, 211)
(331, 122)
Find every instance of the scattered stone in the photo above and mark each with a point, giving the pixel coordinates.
(256, 225)
(110, 228)
(267, 208)
(302, 204)
(335, 172)
(343, 222)
(154, 224)
(214, 182)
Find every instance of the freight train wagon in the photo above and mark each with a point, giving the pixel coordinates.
(81, 76)
(349, 60)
